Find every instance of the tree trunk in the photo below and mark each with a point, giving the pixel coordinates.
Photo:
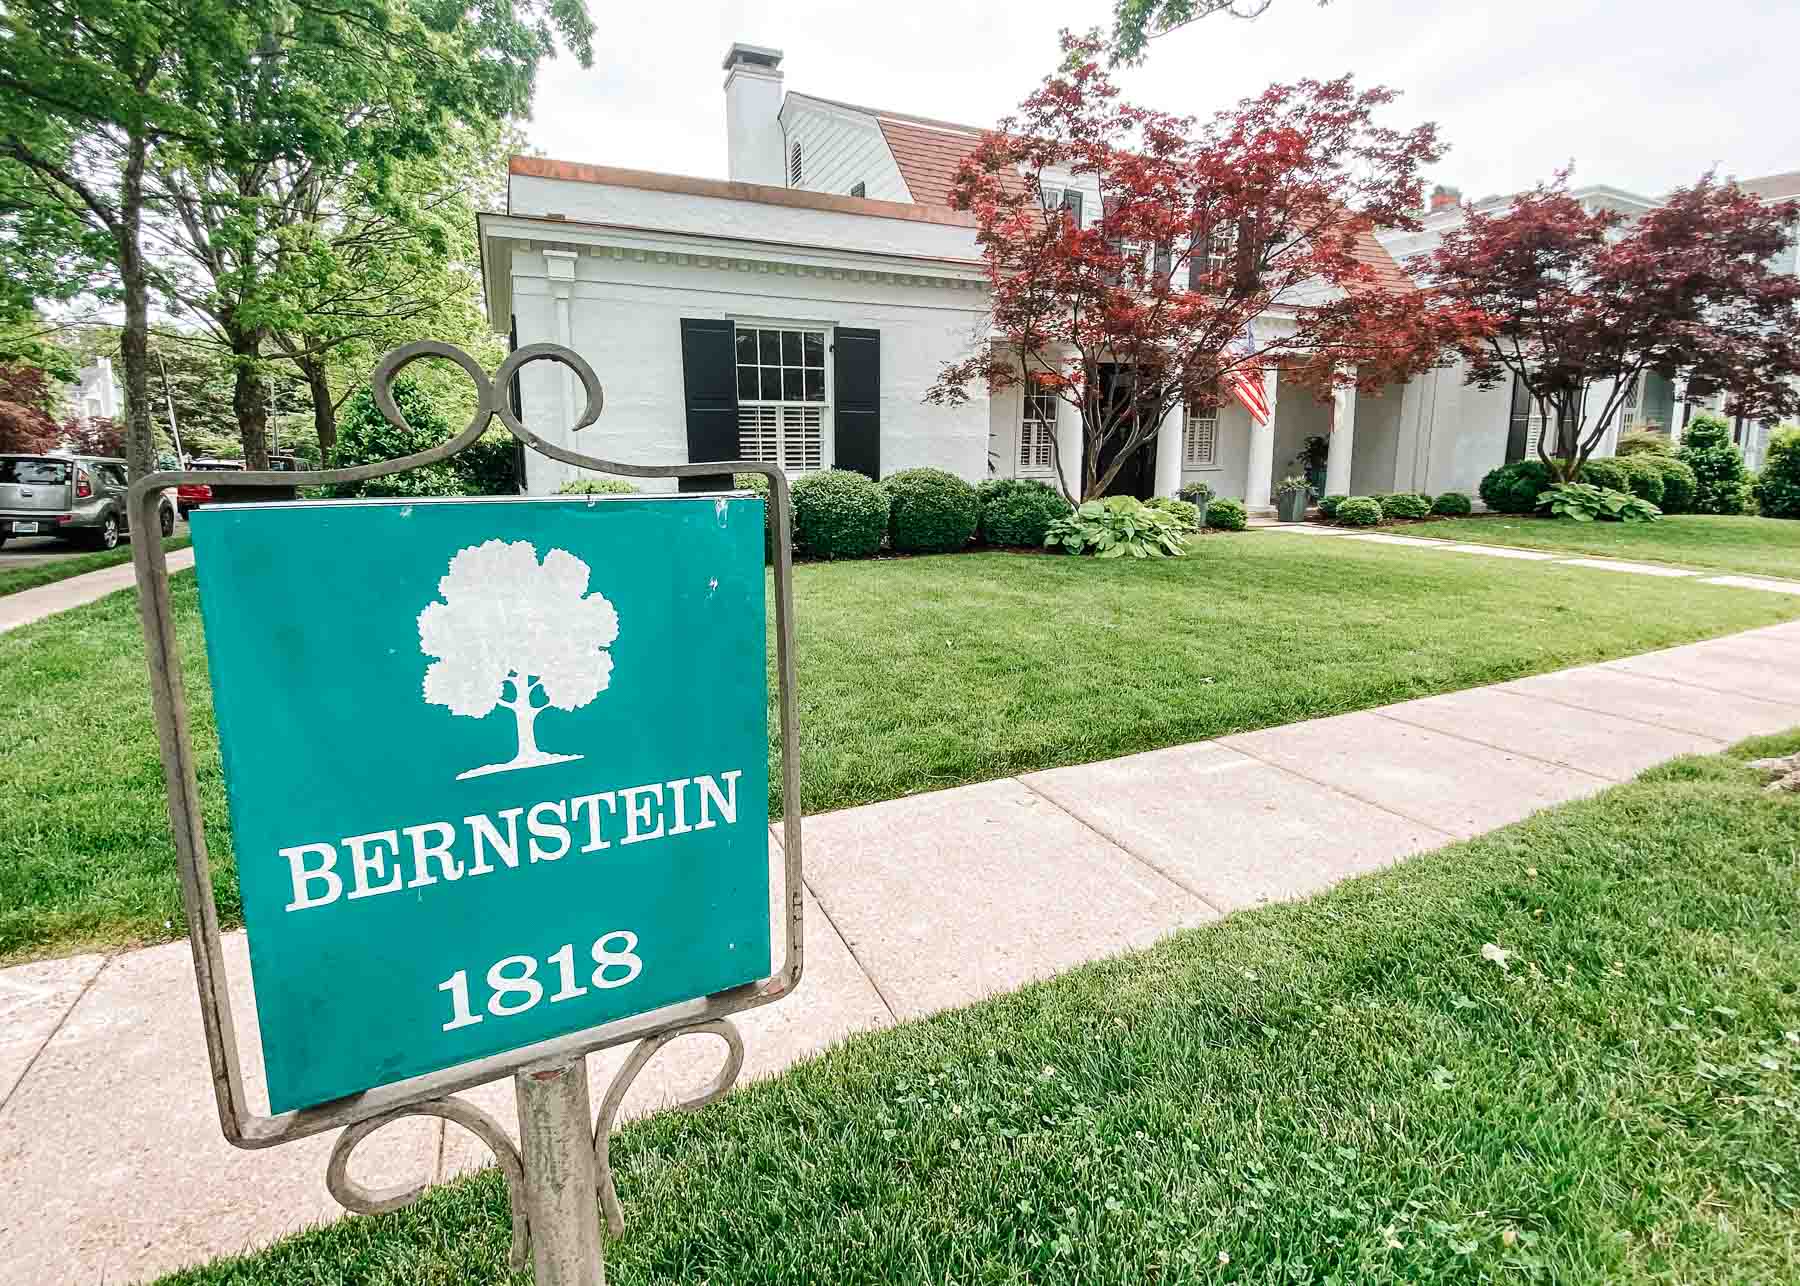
(250, 397)
(324, 413)
(134, 341)
(526, 715)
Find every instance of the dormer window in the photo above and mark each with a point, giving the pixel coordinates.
(794, 165)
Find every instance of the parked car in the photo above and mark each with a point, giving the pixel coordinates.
(75, 497)
(191, 495)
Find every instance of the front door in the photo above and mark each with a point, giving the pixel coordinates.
(1137, 477)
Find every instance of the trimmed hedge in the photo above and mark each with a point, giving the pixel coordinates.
(1404, 505)
(930, 511)
(1679, 483)
(1226, 514)
(1328, 505)
(839, 513)
(1643, 442)
(1017, 512)
(1607, 474)
(1452, 504)
(597, 487)
(1188, 514)
(1514, 488)
(1645, 477)
(759, 483)
(1359, 511)
(1721, 484)
(1778, 485)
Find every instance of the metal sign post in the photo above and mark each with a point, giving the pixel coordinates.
(498, 778)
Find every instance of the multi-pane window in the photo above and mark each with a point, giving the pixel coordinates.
(1037, 433)
(783, 402)
(1213, 258)
(1067, 198)
(1200, 437)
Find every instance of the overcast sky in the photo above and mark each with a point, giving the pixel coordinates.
(1640, 94)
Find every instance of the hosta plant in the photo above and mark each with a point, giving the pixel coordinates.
(1117, 526)
(1584, 502)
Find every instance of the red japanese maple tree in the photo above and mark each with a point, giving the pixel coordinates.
(26, 400)
(1577, 300)
(1257, 216)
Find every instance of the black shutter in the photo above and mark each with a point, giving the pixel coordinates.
(857, 374)
(1162, 263)
(709, 392)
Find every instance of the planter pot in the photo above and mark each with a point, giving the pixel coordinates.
(1200, 519)
(1291, 505)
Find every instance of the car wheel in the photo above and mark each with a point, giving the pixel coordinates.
(168, 521)
(106, 536)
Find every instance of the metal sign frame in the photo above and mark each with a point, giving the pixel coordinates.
(550, 1075)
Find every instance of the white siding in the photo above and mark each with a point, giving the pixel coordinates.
(625, 319)
(840, 149)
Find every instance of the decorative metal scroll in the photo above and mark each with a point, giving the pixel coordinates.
(361, 1115)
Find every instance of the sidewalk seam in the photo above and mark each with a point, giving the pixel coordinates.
(1629, 718)
(1619, 668)
(837, 932)
(1124, 848)
(1450, 837)
(1488, 745)
(61, 1022)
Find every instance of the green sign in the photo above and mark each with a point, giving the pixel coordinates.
(497, 769)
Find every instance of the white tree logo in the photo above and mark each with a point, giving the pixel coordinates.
(517, 633)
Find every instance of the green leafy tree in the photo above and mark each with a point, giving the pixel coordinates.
(1722, 486)
(188, 138)
(1137, 22)
(488, 466)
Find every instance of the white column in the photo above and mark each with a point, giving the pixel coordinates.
(1343, 438)
(1260, 474)
(560, 268)
(1168, 451)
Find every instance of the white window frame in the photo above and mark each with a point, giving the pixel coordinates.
(826, 422)
(1193, 420)
(1036, 432)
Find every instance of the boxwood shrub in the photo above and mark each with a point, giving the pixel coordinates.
(1514, 488)
(1359, 511)
(1452, 504)
(1643, 442)
(1607, 473)
(930, 511)
(1226, 514)
(597, 487)
(1778, 485)
(759, 483)
(1188, 514)
(1016, 512)
(1328, 505)
(1644, 477)
(1721, 484)
(1404, 505)
(1679, 483)
(839, 513)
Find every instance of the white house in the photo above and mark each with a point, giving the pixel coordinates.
(95, 394)
(797, 313)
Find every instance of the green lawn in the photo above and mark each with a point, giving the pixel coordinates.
(1350, 1089)
(14, 579)
(915, 674)
(1751, 546)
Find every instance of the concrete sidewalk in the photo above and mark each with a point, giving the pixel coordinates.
(111, 1163)
(30, 605)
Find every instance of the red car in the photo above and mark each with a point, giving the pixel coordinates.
(191, 495)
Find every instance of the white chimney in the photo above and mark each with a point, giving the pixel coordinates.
(753, 115)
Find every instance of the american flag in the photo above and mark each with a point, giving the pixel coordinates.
(1245, 381)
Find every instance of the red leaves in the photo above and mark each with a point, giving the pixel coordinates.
(1573, 298)
(25, 401)
(1198, 231)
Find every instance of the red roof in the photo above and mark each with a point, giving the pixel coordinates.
(1372, 254)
